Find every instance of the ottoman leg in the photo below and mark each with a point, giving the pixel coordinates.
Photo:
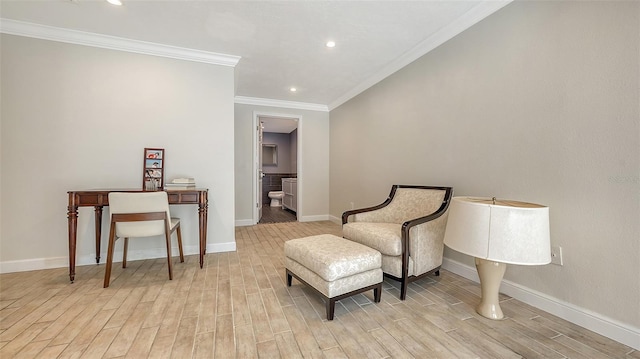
(288, 278)
(330, 304)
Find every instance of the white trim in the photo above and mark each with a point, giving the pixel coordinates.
(34, 264)
(244, 222)
(44, 32)
(470, 18)
(299, 173)
(316, 218)
(280, 103)
(221, 247)
(60, 262)
(608, 327)
(254, 170)
(336, 220)
(151, 253)
(254, 180)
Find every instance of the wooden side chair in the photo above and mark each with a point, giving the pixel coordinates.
(140, 214)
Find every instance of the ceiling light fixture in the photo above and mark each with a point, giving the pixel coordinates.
(115, 2)
(331, 44)
(293, 89)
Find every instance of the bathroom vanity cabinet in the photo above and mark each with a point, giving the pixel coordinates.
(290, 189)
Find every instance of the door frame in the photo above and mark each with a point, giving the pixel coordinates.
(299, 175)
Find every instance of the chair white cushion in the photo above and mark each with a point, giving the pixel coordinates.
(139, 202)
(386, 238)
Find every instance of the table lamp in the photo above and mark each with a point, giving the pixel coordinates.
(497, 232)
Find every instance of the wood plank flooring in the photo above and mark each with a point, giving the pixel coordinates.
(238, 306)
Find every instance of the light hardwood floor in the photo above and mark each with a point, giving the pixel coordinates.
(239, 306)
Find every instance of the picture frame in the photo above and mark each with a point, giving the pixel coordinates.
(153, 169)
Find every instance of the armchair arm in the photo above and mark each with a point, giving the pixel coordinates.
(406, 228)
(345, 215)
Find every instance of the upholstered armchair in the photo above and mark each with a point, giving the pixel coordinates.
(407, 229)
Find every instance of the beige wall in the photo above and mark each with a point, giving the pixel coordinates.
(77, 117)
(539, 102)
(282, 141)
(313, 177)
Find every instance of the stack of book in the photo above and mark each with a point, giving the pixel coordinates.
(181, 184)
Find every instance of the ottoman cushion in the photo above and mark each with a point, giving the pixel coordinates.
(337, 287)
(332, 257)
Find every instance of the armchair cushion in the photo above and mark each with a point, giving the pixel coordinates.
(383, 237)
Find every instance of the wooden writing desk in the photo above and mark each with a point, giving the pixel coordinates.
(99, 198)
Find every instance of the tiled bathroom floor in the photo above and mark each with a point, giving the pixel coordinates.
(276, 215)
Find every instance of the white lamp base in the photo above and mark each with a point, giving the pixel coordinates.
(490, 274)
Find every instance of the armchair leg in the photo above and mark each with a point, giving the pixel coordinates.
(377, 293)
(404, 282)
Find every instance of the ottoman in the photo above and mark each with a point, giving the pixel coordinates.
(334, 267)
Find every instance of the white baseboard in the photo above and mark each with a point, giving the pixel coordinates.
(34, 264)
(610, 328)
(321, 217)
(244, 222)
(81, 260)
(336, 220)
(221, 247)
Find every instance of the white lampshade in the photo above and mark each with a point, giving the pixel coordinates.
(501, 231)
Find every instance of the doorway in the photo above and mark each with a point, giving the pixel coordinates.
(276, 153)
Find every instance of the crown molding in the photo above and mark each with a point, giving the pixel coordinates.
(280, 103)
(20, 28)
(470, 18)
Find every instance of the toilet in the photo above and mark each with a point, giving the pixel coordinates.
(276, 198)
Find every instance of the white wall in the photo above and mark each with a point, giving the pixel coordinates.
(76, 117)
(538, 102)
(313, 179)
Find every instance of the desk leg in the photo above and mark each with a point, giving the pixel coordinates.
(72, 215)
(202, 216)
(98, 225)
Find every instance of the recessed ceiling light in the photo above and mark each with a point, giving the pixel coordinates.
(331, 44)
(293, 89)
(115, 2)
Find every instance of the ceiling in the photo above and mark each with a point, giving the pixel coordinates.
(281, 43)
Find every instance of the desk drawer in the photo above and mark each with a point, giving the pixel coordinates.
(183, 197)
